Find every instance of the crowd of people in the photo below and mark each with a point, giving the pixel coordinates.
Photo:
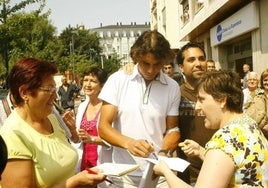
(212, 118)
(236, 155)
(37, 146)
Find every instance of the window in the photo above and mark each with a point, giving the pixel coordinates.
(185, 9)
(198, 5)
(239, 47)
(229, 49)
(153, 6)
(109, 34)
(236, 49)
(116, 34)
(164, 17)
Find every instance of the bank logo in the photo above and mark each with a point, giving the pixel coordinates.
(219, 33)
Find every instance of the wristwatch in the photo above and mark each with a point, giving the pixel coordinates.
(92, 140)
(166, 152)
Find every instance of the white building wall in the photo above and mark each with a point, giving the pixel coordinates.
(197, 17)
(172, 23)
(260, 39)
(165, 18)
(179, 30)
(116, 40)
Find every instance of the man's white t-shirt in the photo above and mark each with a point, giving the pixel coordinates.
(142, 110)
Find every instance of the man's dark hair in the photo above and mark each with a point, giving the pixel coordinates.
(152, 42)
(180, 54)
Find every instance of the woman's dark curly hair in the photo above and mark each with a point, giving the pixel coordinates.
(221, 84)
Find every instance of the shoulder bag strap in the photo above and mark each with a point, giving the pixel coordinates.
(6, 106)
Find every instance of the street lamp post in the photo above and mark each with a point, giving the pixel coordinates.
(102, 66)
(73, 56)
(72, 53)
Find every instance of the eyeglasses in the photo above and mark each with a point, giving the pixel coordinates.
(252, 80)
(166, 68)
(50, 90)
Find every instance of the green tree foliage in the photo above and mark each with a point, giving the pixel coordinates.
(83, 49)
(32, 35)
(82, 41)
(6, 36)
(111, 65)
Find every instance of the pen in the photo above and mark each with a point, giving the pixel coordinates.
(93, 172)
(155, 156)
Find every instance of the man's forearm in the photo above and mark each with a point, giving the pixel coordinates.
(171, 140)
(113, 137)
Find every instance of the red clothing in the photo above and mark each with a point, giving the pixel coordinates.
(90, 153)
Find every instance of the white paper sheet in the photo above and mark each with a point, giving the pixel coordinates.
(174, 163)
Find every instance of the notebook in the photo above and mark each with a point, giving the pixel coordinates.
(112, 169)
(174, 163)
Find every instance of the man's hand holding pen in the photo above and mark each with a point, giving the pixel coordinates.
(153, 153)
(140, 148)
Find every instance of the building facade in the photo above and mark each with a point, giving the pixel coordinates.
(231, 31)
(116, 40)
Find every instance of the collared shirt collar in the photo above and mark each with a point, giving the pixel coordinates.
(160, 77)
(9, 101)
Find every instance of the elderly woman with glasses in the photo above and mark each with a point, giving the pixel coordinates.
(39, 154)
(258, 108)
(252, 90)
